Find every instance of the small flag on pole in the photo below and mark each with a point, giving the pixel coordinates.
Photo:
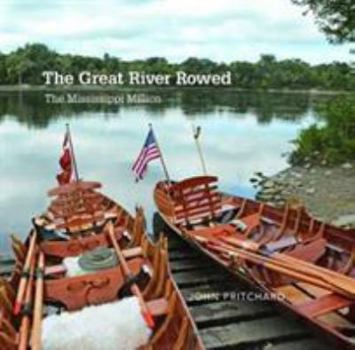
(149, 152)
(68, 172)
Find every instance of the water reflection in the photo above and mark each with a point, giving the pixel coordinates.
(242, 133)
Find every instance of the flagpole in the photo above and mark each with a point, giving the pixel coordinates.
(72, 152)
(161, 156)
(196, 134)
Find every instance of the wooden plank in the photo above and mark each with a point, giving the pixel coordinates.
(177, 245)
(225, 312)
(209, 292)
(187, 265)
(301, 344)
(323, 305)
(195, 278)
(183, 255)
(251, 332)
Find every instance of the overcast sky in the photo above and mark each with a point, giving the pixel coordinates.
(223, 30)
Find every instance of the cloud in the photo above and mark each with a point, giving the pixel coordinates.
(223, 30)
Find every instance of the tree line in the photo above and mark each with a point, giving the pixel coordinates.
(26, 64)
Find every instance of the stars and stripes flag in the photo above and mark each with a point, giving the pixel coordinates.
(149, 152)
(67, 171)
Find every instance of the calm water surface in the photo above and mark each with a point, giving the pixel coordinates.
(242, 133)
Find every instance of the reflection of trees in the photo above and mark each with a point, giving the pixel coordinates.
(31, 108)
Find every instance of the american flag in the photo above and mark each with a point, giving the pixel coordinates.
(149, 152)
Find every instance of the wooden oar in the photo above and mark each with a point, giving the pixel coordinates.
(258, 260)
(24, 278)
(36, 341)
(127, 274)
(25, 321)
(342, 285)
(339, 280)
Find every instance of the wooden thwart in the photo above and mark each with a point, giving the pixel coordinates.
(324, 305)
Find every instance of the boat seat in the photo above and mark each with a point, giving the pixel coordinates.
(310, 252)
(196, 200)
(324, 305)
(215, 232)
(247, 224)
(299, 294)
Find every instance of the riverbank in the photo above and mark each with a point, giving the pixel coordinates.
(328, 192)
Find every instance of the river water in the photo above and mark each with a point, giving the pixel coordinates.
(241, 133)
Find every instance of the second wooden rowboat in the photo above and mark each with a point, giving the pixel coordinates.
(283, 252)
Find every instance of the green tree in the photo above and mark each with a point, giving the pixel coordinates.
(334, 141)
(336, 18)
(25, 65)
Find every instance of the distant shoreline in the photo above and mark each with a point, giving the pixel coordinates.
(31, 88)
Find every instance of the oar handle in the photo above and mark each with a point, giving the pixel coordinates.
(25, 274)
(25, 321)
(38, 307)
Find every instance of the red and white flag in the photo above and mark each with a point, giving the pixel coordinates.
(66, 162)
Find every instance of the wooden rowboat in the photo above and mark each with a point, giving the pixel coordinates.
(307, 264)
(40, 286)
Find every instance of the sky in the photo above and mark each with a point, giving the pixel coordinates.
(222, 30)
